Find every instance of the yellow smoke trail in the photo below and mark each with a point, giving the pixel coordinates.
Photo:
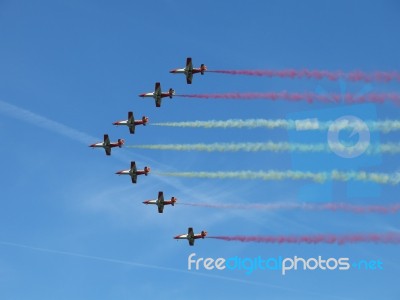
(319, 177)
(384, 126)
(389, 148)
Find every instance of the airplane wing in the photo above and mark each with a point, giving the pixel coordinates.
(160, 197)
(160, 202)
(131, 119)
(131, 122)
(133, 167)
(189, 77)
(134, 178)
(190, 236)
(157, 93)
(106, 140)
(189, 65)
(133, 172)
(157, 88)
(190, 232)
(189, 70)
(132, 128)
(106, 143)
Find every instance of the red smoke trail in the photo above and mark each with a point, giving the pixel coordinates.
(387, 238)
(394, 208)
(318, 74)
(309, 97)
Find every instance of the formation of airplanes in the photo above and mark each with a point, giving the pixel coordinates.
(131, 123)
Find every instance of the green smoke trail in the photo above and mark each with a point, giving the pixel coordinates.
(384, 126)
(272, 175)
(389, 148)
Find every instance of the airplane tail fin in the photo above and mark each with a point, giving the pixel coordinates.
(121, 142)
(146, 170)
(145, 120)
(202, 69)
(173, 200)
(203, 234)
(171, 92)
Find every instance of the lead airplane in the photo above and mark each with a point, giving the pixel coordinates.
(131, 123)
(107, 145)
(160, 202)
(134, 172)
(189, 70)
(190, 236)
(158, 94)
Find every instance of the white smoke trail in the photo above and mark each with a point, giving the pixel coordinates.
(389, 148)
(130, 263)
(354, 208)
(319, 177)
(384, 126)
(30, 117)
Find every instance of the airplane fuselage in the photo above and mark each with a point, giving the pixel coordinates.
(127, 123)
(151, 202)
(182, 237)
(187, 237)
(156, 202)
(141, 172)
(124, 172)
(103, 145)
(129, 172)
(150, 95)
(180, 71)
(186, 71)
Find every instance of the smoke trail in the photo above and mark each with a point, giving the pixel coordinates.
(309, 97)
(354, 208)
(390, 148)
(317, 74)
(385, 126)
(320, 177)
(43, 122)
(387, 238)
(130, 263)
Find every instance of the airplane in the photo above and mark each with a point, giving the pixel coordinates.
(131, 123)
(160, 202)
(107, 145)
(189, 70)
(134, 172)
(158, 94)
(190, 236)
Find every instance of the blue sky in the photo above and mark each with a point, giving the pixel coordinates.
(82, 64)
